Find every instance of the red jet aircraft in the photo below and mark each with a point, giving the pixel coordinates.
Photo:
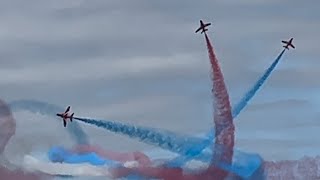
(288, 43)
(203, 27)
(65, 116)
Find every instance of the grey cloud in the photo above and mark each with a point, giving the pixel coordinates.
(47, 42)
(55, 73)
(281, 104)
(300, 78)
(278, 114)
(103, 32)
(140, 62)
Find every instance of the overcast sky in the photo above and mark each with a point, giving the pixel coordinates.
(141, 62)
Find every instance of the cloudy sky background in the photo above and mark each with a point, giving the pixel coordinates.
(140, 62)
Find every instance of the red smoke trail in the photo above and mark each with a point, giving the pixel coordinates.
(7, 130)
(224, 133)
(305, 168)
(224, 127)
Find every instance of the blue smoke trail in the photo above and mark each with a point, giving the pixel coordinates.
(181, 145)
(248, 96)
(241, 105)
(60, 154)
(244, 164)
(251, 92)
(188, 147)
(191, 148)
(47, 109)
(164, 139)
(180, 161)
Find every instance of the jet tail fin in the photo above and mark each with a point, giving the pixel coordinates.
(64, 123)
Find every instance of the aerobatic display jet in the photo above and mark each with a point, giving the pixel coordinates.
(203, 27)
(288, 43)
(65, 116)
